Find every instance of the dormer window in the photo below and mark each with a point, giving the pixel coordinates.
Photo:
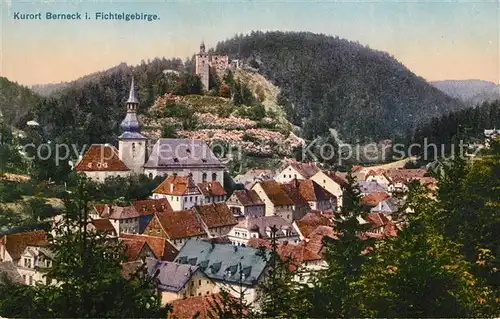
(89, 165)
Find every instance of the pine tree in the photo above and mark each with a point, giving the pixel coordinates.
(333, 292)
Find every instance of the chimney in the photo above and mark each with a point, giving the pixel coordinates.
(171, 187)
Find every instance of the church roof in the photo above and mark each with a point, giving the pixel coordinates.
(182, 153)
(132, 97)
(101, 157)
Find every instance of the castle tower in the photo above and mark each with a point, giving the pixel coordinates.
(132, 144)
(202, 66)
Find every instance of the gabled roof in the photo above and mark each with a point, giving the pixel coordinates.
(101, 158)
(160, 247)
(405, 174)
(151, 206)
(311, 191)
(179, 153)
(388, 206)
(15, 244)
(373, 199)
(216, 215)
(224, 262)
(103, 225)
(180, 224)
(336, 177)
(308, 224)
(247, 197)
(172, 276)
(133, 248)
(177, 186)
(276, 193)
(306, 170)
(212, 189)
(119, 212)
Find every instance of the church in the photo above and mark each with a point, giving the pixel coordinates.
(168, 157)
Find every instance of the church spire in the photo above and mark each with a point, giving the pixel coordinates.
(132, 97)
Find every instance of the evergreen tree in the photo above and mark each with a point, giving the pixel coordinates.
(334, 289)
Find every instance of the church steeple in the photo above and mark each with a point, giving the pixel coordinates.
(131, 123)
(202, 47)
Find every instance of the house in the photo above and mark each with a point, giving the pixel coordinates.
(181, 192)
(308, 254)
(297, 170)
(176, 281)
(261, 227)
(212, 192)
(147, 207)
(253, 176)
(103, 225)
(490, 136)
(332, 182)
(395, 180)
(317, 198)
(160, 247)
(102, 161)
(34, 264)
(124, 219)
(311, 221)
(373, 199)
(233, 268)
(135, 250)
(381, 226)
(183, 157)
(246, 204)
(216, 218)
(276, 200)
(12, 246)
(177, 227)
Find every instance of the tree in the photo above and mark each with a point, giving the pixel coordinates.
(421, 273)
(334, 291)
(87, 270)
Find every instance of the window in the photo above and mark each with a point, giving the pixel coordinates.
(191, 199)
(204, 177)
(214, 177)
(177, 198)
(199, 282)
(27, 262)
(150, 175)
(185, 199)
(290, 176)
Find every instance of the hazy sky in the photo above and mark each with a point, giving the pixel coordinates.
(435, 39)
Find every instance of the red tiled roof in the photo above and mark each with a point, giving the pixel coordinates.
(151, 206)
(161, 248)
(177, 186)
(276, 193)
(15, 244)
(373, 199)
(312, 220)
(180, 224)
(216, 215)
(380, 224)
(133, 248)
(99, 208)
(248, 197)
(189, 307)
(101, 158)
(312, 192)
(103, 225)
(212, 189)
(306, 170)
(405, 174)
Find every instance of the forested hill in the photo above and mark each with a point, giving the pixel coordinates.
(327, 82)
(16, 102)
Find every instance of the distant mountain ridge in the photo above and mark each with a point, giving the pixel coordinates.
(471, 92)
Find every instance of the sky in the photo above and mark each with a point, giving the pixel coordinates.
(437, 40)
